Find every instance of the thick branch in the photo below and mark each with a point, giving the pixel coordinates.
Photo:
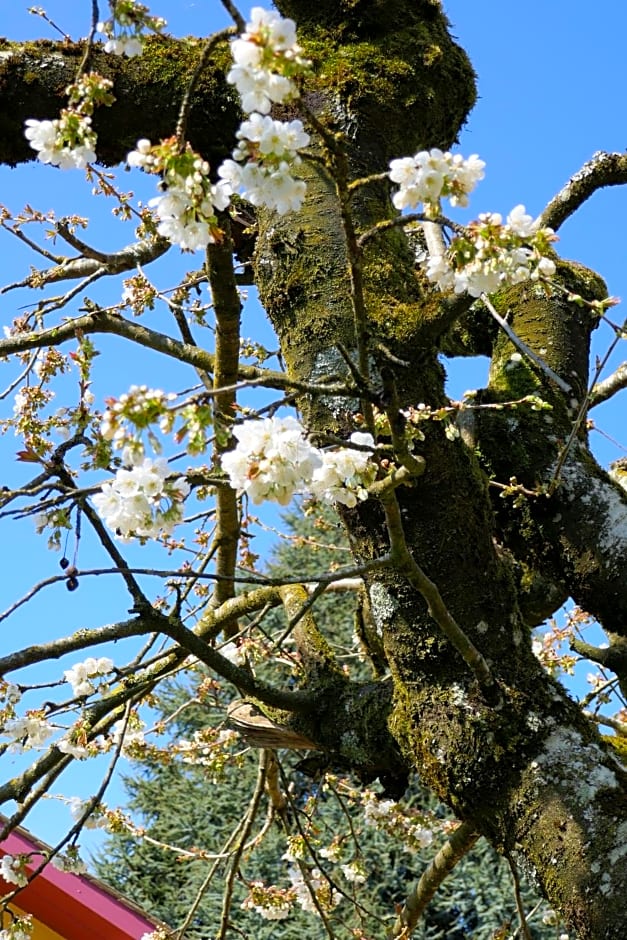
(604, 169)
(610, 386)
(69, 269)
(227, 307)
(440, 868)
(149, 90)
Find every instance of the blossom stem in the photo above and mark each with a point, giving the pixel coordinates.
(211, 43)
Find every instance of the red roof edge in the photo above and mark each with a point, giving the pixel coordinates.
(75, 906)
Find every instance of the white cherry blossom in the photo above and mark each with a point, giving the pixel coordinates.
(13, 870)
(142, 502)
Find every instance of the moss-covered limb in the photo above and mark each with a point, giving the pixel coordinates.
(570, 815)
(390, 51)
(538, 596)
(406, 564)
(555, 328)
(348, 722)
(149, 90)
(604, 169)
(317, 656)
(469, 334)
(577, 537)
(533, 777)
(536, 360)
(301, 262)
(227, 309)
(452, 852)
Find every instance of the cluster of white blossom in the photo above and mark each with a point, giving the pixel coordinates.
(355, 872)
(389, 816)
(266, 60)
(430, 174)
(139, 407)
(266, 152)
(270, 902)
(69, 140)
(97, 818)
(187, 209)
(81, 675)
(70, 861)
(161, 933)
(206, 748)
(141, 501)
(13, 870)
(30, 731)
(9, 692)
(265, 57)
(273, 460)
(34, 729)
(314, 885)
(345, 473)
(130, 733)
(494, 254)
(21, 928)
(123, 29)
(76, 744)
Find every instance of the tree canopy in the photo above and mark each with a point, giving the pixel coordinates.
(306, 153)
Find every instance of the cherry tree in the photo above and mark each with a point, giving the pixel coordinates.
(469, 522)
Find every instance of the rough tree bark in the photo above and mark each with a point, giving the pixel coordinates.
(521, 765)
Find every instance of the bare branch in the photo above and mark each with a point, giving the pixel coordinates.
(604, 169)
(227, 308)
(614, 383)
(95, 262)
(104, 321)
(440, 868)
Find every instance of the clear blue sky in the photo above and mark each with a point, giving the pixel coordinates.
(551, 79)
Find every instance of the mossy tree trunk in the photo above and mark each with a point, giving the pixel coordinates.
(529, 772)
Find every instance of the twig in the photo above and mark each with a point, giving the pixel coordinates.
(104, 321)
(67, 269)
(95, 16)
(583, 410)
(525, 933)
(94, 801)
(249, 819)
(212, 42)
(235, 15)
